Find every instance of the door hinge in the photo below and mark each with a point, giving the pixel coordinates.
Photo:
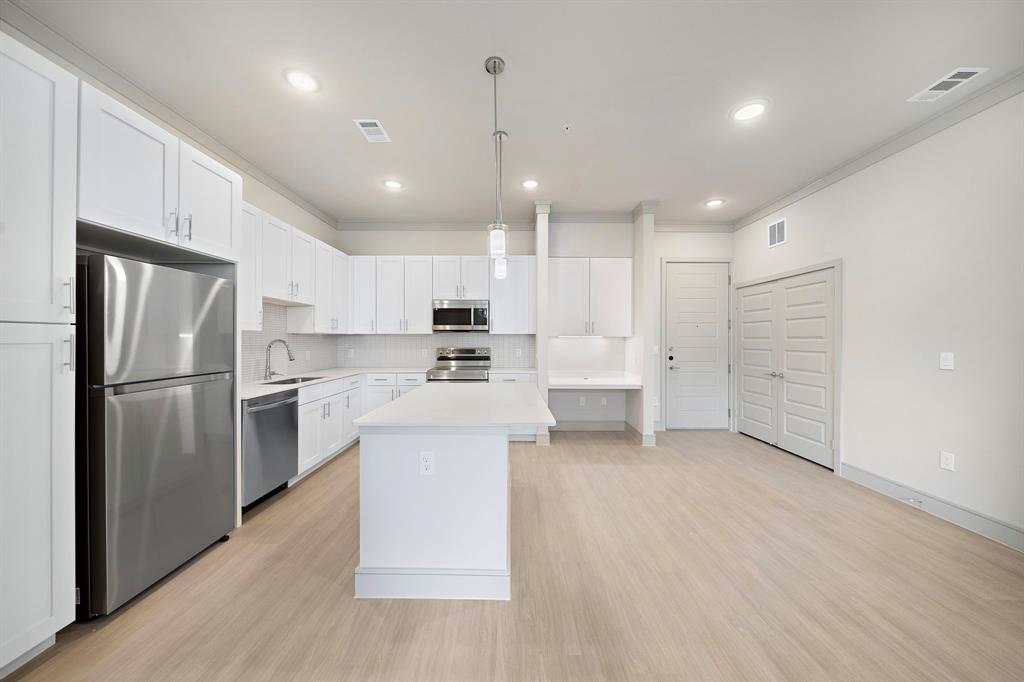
(78, 596)
(730, 369)
(730, 279)
(730, 413)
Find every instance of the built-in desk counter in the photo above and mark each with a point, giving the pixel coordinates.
(595, 379)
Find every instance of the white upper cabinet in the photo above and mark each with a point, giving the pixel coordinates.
(127, 169)
(513, 299)
(303, 267)
(461, 277)
(323, 306)
(363, 298)
(277, 259)
(419, 305)
(209, 204)
(390, 294)
(38, 165)
(339, 289)
(569, 301)
(327, 314)
(250, 282)
(476, 275)
(37, 484)
(591, 296)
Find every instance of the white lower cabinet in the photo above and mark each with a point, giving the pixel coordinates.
(375, 396)
(333, 438)
(311, 417)
(326, 425)
(37, 485)
(521, 433)
(352, 404)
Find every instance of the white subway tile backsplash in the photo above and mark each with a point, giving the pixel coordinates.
(321, 348)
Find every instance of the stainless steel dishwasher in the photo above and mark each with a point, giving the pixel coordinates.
(270, 443)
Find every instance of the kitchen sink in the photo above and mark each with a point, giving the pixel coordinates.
(294, 380)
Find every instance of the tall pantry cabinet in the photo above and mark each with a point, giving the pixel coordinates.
(38, 177)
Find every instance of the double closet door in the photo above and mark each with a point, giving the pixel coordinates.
(786, 359)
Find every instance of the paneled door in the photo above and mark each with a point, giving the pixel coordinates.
(476, 276)
(390, 294)
(363, 294)
(250, 267)
(210, 201)
(323, 276)
(303, 267)
(697, 345)
(38, 167)
(277, 259)
(569, 302)
(447, 277)
(787, 349)
(611, 296)
(419, 309)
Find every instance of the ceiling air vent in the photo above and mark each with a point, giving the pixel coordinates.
(945, 85)
(777, 233)
(372, 130)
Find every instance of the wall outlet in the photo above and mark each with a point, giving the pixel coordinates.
(947, 460)
(308, 353)
(604, 401)
(583, 401)
(351, 353)
(947, 360)
(518, 353)
(426, 464)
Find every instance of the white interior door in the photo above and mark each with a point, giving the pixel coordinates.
(447, 277)
(697, 345)
(390, 294)
(419, 308)
(127, 169)
(38, 169)
(569, 291)
(611, 296)
(210, 202)
(806, 323)
(757, 366)
(476, 275)
(363, 298)
(277, 259)
(250, 293)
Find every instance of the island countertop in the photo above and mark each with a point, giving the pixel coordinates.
(477, 404)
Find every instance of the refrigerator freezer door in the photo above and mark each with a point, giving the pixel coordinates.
(157, 322)
(164, 472)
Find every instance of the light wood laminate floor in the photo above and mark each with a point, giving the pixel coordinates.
(712, 556)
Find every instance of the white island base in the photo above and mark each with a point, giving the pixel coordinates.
(434, 491)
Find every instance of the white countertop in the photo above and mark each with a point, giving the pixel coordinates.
(257, 389)
(595, 379)
(482, 404)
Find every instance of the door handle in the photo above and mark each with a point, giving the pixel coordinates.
(174, 216)
(70, 284)
(781, 375)
(70, 364)
(189, 219)
(673, 367)
(773, 374)
(261, 408)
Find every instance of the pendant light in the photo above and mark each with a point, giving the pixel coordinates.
(497, 231)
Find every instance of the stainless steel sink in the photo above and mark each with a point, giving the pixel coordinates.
(294, 380)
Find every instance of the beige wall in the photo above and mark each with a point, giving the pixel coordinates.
(412, 242)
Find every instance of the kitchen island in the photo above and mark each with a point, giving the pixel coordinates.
(434, 491)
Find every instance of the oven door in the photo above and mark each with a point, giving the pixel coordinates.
(460, 316)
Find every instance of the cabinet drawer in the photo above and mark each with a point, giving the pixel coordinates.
(518, 378)
(329, 388)
(353, 382)
(412, 379)
(381, 379)
(308, 394)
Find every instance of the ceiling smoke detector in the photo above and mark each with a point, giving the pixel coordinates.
(945, 85)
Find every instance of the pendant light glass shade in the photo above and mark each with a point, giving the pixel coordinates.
(496, 246)
(500, 268)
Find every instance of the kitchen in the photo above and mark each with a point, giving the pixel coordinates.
(379, 353)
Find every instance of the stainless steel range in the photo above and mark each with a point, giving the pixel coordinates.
(461, 364)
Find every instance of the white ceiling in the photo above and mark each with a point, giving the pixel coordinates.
(646, 87)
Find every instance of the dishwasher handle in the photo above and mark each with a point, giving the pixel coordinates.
(261, 408)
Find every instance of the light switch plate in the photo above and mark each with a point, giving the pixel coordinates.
(947, 460)
(947, 360)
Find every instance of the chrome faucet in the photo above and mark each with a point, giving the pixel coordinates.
(268, 373)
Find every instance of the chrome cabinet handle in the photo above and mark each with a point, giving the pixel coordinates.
(70, 284)
(70, 364)
(347, 405)
(296, 288)
(189, 219)
(174, 216)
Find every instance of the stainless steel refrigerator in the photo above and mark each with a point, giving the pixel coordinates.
(155, 427)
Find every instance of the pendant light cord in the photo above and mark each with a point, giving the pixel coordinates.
(498, 139)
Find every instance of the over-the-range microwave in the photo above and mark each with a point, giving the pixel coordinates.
(461, 316)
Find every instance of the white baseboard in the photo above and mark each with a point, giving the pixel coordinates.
(27, 656)
(405, 583)
(994, 529)
(589, 426)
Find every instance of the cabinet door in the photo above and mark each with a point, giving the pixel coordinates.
(323, 305)
(568, 302)
(334, 425)
(210, 202)
(419, 304)
(277, 259)
(311, 418)
(339, 289)
(512, 298)
(375, 396)
(390, 294)
(363, 298)
(127, 169)
(37, 485)
(303, 267)
(250, 287)
(447, 277)
(476, 275)
(38, 171)
(611, 296)
(353, 406)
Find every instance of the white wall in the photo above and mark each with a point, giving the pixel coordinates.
(413, 242)
(932, 243)
(586, 353)
(596, 240)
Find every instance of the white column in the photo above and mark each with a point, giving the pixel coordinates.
(642, 349)
(543, 212)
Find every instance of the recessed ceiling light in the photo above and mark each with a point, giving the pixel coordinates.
(714, 203)
(531, 184)
(393, 184)
(749, 110)
(300, 80)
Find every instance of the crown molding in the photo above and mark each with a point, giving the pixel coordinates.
(647, 207)
(22, 24)
(427, 226)
(693, 227)
(1003, 89)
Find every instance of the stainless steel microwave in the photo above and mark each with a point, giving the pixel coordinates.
(461, 316)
